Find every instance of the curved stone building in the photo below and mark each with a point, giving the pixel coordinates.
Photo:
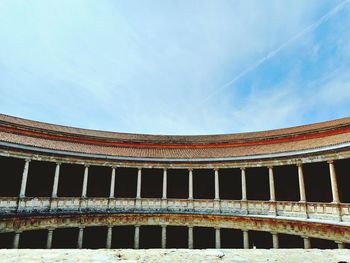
(285, 182)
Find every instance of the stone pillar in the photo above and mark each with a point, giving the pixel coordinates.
(22, 192)
(16, 237)
(301, 183)
(307, 244)
(190, 184)
(217, 186)
(164, 196)
(109, 237)
(85, 181)
(163, 236)
(111, 189)
(275, 241)
(49, 238)
(217, 238)
(80, 237)
(137, 237)
(244, 185)
(138, 189)
(190, 237)
(334, 184)
(341, 245)
(55, 181)
(245, 239)
(272, 185)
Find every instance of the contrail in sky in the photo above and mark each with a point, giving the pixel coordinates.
(271, 54)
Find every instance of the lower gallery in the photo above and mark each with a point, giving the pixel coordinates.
(65, 187)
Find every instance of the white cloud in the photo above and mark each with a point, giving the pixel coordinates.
(144, 66)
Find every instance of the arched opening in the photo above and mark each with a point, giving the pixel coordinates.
(177, 183)
(152, 183)
(10, 176)
(257, 183)
(40, 179)
(230, 184)
(203, 184)
(125, 182)
(99, 181)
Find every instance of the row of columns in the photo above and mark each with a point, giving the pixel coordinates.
(335, 193)
(246, 244)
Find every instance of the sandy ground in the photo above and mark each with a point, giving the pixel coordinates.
(174, 255)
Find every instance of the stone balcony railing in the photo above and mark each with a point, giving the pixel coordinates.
(72, 205)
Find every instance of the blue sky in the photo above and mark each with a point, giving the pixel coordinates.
(175, 67)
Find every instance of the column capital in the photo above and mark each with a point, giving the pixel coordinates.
(58, 163)
(86, 165)
(216, 169)
(270, 167)
(165, 169)
(299, 164)
(81, 227)
(190, 169)
(242, 168)
(330, 161)
(113, 167)
(27, 160)
(51, 228)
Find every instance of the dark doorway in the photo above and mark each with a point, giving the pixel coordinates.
(125, 182)
(290, 241)
(342, 168)
(95, 237)
(177, 236)
(10, 176)
(231, 238)
(150, 237)
(260, 239)
(99, 181)
(286, 183)
(65, 238)
(203, 237)
(258, 183)
(177, 183)
(152, 183)
(203, 184)
(40, 179)
(317, 182)
(123, 237)
(33, 239)
(70, 182)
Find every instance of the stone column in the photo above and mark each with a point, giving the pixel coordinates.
(275, 241)
(16, 237)
(163, 236)
(85, 181)
(334, 184)
(341, 245)
(164, 196)
(190, 237)
(137, 237)
(49, 238)
(272, 185)
(301, 183)
(307, 244)
(190, 184)
(217, 187)
(55, 181)
(80, 237)
(111, 189)
(109, 237)
(22, 192)
(138, 189)
(217, 238)
(245, 239)
(244, 185)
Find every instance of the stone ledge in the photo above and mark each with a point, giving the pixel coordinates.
(174, 255)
